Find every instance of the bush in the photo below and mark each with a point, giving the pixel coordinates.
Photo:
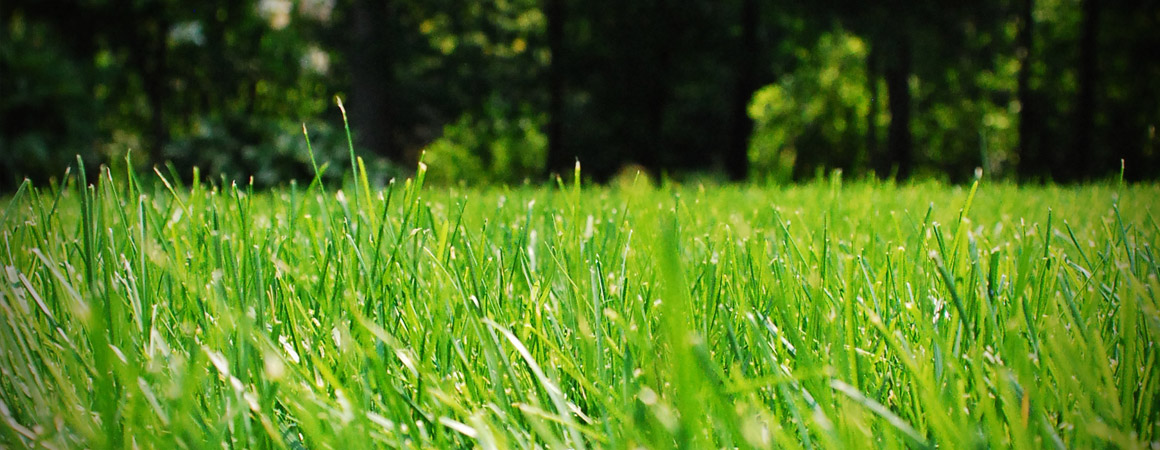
(815, 115)
(497, 147)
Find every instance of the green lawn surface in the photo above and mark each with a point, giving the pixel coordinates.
(826, 315)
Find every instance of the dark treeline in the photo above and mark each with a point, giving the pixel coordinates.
(507, 90)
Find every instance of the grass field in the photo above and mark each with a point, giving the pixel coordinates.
(828, 315)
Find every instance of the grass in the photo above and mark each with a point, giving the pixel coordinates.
(828, 315)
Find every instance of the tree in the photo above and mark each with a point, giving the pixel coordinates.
(899, 142)
(745, 84)
(509, 90)
(558, 154)
(45, 102)
(1127, 96)
(217, 86)
(372, 63)
(1030, 150)
(1080, 161)
(887, 28)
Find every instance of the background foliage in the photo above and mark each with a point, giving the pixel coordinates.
(508, 90)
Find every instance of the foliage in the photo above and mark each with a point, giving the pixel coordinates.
(476, 65)
(1039, 89)
(45, 104)
(224, 85)
(502, 147)
(581, 317)
(817, 113)
(268, 150)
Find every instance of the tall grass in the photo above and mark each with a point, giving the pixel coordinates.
(828, 315)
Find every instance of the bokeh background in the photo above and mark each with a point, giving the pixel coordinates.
(503, 91)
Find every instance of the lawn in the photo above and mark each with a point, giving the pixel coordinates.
(143, 313)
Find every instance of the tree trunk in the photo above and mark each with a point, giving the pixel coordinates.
(872, 150)
(559, 160)
(371, 74)
(897, 74)
(1081, 162)
(158, 132)
(150, 52)
(1030, 154)
(741, 127)
(651, 79)
(651, 140)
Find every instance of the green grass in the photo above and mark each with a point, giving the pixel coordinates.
(828, 315)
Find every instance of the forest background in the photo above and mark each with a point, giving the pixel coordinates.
(504, 91)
